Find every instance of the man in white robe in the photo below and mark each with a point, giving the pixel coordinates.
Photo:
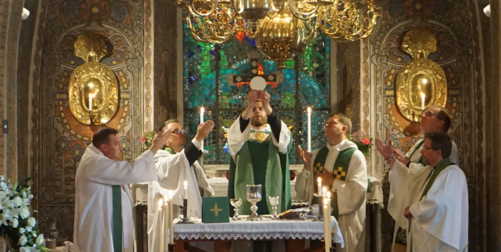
(103, 203)
(175, 165)
(350, 182)
(435, 118)
(432, 200)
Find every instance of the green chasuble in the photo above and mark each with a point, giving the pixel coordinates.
(260, 163)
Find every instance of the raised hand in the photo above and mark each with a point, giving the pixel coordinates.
(385, 150)
(265, 98)
(159, 141)
(305, 157)
(400, 156)
(203, 130)
(252, 96)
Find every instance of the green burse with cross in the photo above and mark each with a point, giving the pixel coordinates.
(215, 210)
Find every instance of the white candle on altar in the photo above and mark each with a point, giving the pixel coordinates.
(423, 97)
(90, 101)
(160, 226)
(171, 220)
(166, 224)
(185, 190)
(319, 186)
(202, 112)
(327, 225)
(324, 191)
(309, 129)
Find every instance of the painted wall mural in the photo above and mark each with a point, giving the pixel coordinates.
(459, 53)
(58, 139)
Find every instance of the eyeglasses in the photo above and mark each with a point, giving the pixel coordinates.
(429, 114)
(429, 148)
(178, 131)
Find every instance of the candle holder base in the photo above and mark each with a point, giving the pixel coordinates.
(320, 216)
(171, 247)
(185, 221)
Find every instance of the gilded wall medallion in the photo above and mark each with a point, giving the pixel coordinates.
(421, 82)
(93, 90)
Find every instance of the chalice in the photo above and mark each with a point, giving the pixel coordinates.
(274, 202)
(253, 194)
(236, 203)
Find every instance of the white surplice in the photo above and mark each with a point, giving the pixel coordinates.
(351, 194)
(236, 138)
(440, 218)
(414, 157)
(173, 170)
(93, 198)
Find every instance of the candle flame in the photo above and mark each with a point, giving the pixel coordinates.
(309, 109)
(185, 183)
(91, 96)
(324, 190)
(202, 110)
(329, 195)
(160, 203)
(319, 180)
(326, 201)
(422, 95)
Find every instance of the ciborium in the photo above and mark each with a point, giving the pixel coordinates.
(253, 194)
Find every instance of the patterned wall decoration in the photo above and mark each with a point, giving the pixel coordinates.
(306, 82)
(455, 25)
(58, 140)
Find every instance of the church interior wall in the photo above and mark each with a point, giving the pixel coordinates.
(50, 142)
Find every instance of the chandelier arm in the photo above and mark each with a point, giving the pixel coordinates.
(194, 32)
(214, 37)
(300, 15)
(235, 7)
(275, 10)
(194, 12)
(312, 35)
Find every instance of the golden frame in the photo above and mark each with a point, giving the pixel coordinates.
(421, 82)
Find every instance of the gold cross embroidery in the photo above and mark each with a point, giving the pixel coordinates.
(260, 136)
(339, 173)
(216, 210)
(318, 167)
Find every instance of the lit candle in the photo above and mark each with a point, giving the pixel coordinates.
(160, 226)
(186, 189)
(319, 186)
(90, 101)
(202, 112)
(324, 191)
(166, 224)
(327, 225)
(171, 220)
(423, 96)
(309, 129)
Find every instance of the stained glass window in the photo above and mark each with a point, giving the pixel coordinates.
(306, 82)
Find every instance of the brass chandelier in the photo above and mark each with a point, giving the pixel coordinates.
(281, 28)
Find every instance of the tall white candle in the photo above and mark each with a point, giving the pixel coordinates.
(166, 224)
(309, 129)
(171, 220)
(185, 190)
(202, 112)
(90, 101)
(327, 225)
(319, 186)
(160, 226)
(423, 96)
(324, 191)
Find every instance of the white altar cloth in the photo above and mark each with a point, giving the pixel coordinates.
(255, 230)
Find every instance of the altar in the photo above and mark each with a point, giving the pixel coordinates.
(219, 183)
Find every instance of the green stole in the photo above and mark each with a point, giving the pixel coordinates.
(342, 163)
(444, 163)
(261, 163)
(117, 217)
(421, 160)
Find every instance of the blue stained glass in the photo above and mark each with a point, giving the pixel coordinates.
(201, 86)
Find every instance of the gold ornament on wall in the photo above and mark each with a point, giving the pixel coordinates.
(421, 82)
(93, 90)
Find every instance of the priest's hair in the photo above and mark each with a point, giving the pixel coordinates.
(102, 136)
(344, 120)
(440, 141)
(445, 116)
(166, 123)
